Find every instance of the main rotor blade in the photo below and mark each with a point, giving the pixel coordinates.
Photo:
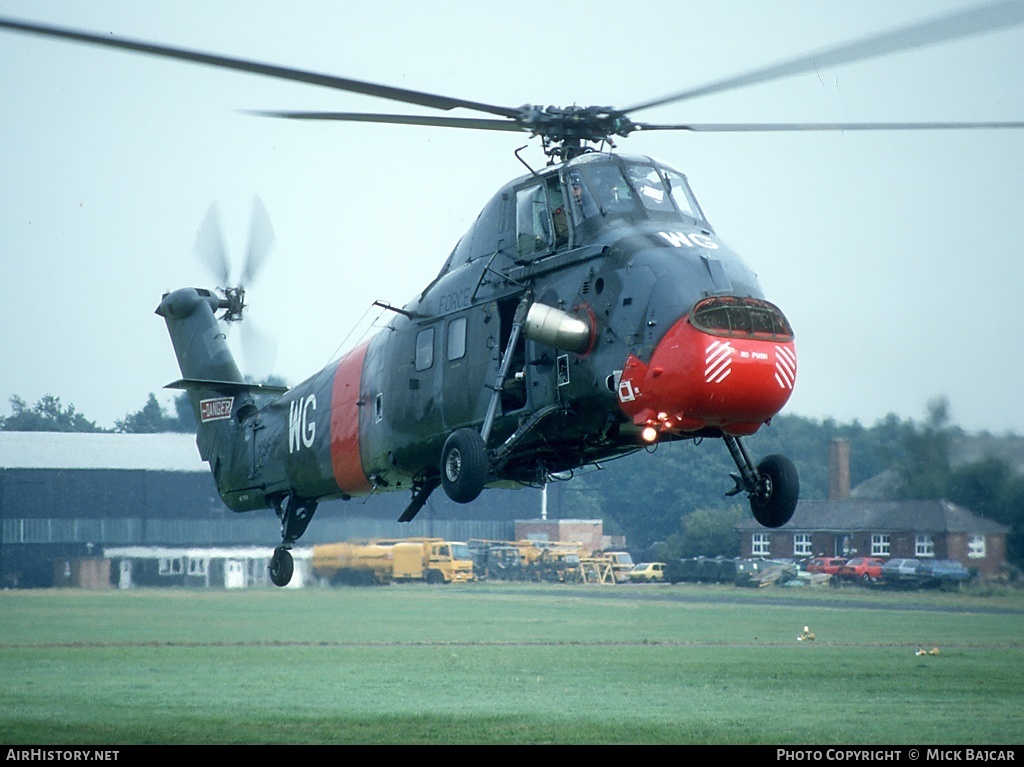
(954, 26)
(865, 126)
(365, 117)
(254, 67)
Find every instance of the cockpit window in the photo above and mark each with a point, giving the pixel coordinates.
(741, 318)
(682, 195)
(649, 187)
(600, 190)
(533, 221)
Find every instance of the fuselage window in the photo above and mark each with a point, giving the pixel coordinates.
(425, 349)
(457, 339)
(533, 221)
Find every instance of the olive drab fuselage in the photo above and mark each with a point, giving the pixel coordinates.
(616, 244)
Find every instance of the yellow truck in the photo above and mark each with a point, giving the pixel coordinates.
(353, 563)
(432, 559)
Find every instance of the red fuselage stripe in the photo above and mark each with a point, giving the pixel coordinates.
(348, 466)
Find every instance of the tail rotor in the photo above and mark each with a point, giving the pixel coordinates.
(258, 349)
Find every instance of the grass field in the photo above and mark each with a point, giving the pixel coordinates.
(489, 663)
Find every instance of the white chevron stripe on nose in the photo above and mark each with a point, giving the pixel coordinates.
(785, 367)
(718, 361)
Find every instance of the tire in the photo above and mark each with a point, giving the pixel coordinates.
(464, 466)
(774, 504)
(281, 567)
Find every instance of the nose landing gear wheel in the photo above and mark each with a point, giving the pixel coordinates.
(774, 501)
(281, 566)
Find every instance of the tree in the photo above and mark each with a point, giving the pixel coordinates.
(708, 533)
(183, 409)
(151, 419)
(46, 415)
(925, 467)
(990, 488)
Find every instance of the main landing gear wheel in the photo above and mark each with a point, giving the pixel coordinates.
(774, 500)
(464, 465)
(295, 514)
(281, 566)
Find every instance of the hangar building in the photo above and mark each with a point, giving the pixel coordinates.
(68, 496)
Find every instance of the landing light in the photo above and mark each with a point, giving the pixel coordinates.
(649, 434)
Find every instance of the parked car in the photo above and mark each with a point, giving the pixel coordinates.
(758, 572)
(866, 569)
(900, 572)
(828, 565)
(701, 570)
(941, 572)
(647, 572)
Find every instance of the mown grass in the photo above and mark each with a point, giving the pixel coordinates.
(510, 664)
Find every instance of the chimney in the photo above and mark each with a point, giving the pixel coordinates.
(839, 470)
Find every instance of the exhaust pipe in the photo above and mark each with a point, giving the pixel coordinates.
(548, 325)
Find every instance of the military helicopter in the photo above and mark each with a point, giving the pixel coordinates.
(590, 310)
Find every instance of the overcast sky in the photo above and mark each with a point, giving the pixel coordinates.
(896, 256)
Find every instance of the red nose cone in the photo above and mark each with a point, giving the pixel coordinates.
(730, 365)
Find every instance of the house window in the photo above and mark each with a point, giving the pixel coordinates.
(802, 545)
(976, 547)
(760, 547)
(170, 566)
(924, 546)
(196, 566)
(879, 545)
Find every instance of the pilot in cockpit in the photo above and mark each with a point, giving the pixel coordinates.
(582, 203)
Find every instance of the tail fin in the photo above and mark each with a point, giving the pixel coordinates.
(220, 397)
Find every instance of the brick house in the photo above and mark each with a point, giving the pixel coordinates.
(850, 527)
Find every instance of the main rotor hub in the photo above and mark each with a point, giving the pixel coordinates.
(565, 129)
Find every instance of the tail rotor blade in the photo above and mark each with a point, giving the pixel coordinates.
(261, 242)
(259, 351)
(210, 247)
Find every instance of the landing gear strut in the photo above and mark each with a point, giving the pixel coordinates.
(773, 487)
(420, 492)
(295, 517)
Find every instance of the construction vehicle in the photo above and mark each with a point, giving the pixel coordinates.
(621, 563)
(353, 563)
(496, 560)
(551, 561)
(596, 569)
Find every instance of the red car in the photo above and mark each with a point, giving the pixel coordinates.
(862, 568)
(829, 565)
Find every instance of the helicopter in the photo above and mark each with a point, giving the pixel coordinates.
(589, 311)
